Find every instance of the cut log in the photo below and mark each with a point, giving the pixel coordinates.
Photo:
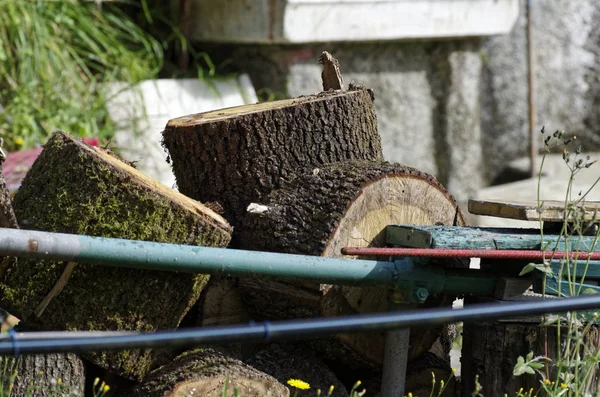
(79, 189)
(296, 361)
(238, 155)
(221, 303)
(334, 206)
(44, 375)
(204, 372)
(7, 220)
(491, 350)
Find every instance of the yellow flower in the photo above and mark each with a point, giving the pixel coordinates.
(106, 388)
(410, 394)
(298, 384)
(563, 386)
(358, 383)
(453, 371)
(331, 389)
(547, 381)
(19, 141)
(59, 381)
(96, 381)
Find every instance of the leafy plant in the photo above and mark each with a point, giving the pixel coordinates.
(54, 58)
(575, 363)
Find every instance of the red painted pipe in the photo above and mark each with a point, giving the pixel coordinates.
(470, 253)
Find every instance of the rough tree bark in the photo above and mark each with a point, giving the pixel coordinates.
(330, 207)
(296, 361)
(203, 372)
(45, 375)
(75, 188)
(238, 155)
(7, 220)
(491, 350)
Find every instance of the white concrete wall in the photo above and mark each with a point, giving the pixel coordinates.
(314, 21)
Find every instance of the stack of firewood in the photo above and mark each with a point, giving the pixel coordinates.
(303, 176)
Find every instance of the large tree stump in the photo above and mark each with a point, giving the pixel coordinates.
(491, 350)
(238, 155)
(79, 189)
(204, 372)
(338, 205)
(44, 375)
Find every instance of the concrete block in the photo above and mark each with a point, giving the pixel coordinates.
(314, 21)
(141, 113)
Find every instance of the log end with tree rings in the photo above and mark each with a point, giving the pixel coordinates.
(331, 207)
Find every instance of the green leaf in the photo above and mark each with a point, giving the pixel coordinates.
(536, 266)
(527, 269)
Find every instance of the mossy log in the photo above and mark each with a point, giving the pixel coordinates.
(236, 156)
(296, 361)
(334, 206)
(491, 349)
(79, 189)
(204, 372)
(7, 220)
(44, 375)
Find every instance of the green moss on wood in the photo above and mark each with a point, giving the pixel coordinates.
(73, 189)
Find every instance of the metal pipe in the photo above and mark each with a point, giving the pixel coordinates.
(470, 253)
(293, 329)
(532, 143)
(395, 358)
(193, 259)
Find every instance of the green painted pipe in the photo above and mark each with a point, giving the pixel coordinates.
(193, 259)
(404, 273)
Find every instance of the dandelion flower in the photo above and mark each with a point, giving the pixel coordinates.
(298, 384)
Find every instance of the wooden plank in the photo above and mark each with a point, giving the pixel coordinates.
(552, 211)
(465, 237)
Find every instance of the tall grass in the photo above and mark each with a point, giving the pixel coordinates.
(54, 56)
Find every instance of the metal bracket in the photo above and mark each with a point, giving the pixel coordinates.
(418, 279)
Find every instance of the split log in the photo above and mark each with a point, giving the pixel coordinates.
(236, 156)
(44, 375)
(491, 350)
(334, 206)
(204, 372)
(296, 361)
(78, 189)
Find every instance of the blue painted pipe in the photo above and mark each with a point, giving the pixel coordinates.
(193, 259)
(49, 342)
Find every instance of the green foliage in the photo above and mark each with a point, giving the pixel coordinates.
(529, 365)
(572, 371)
(54, 57)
